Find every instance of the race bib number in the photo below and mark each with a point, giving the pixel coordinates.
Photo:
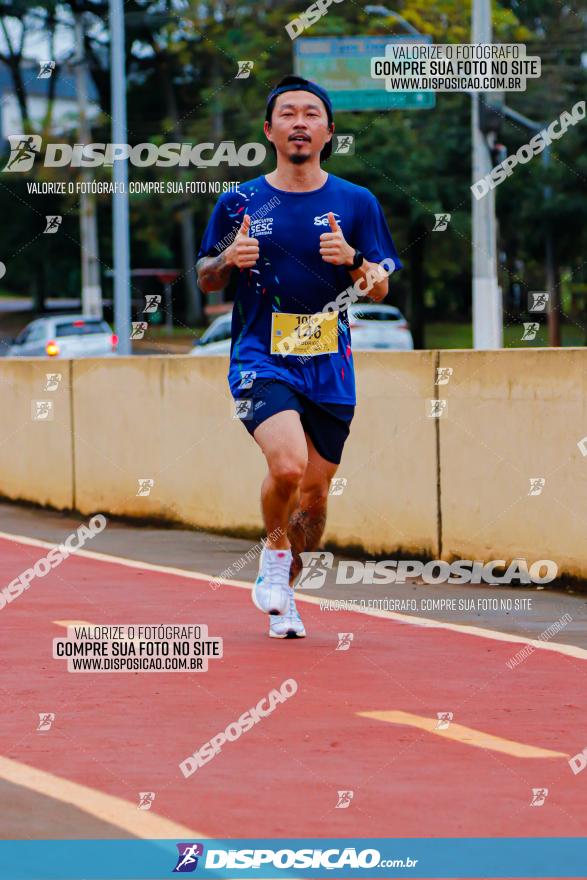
(306, 335)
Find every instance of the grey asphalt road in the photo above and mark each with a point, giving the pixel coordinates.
(34, 816)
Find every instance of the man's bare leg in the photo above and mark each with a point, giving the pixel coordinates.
(283, 443)
(308, 520)
(282, 440)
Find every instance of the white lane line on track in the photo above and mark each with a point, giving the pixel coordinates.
(426, 622)
(144, 824)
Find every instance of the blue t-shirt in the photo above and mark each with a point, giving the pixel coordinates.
(291, 276)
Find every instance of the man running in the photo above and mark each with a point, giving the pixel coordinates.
(299, 238)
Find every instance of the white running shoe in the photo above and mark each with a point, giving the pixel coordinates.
(270, 591)
(288, 625)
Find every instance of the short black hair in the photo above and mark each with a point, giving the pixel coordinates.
(290, 80)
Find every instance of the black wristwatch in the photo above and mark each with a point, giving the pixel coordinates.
(357, 261)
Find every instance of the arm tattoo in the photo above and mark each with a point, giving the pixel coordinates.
(213, 272)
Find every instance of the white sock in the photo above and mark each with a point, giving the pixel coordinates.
(277, 557)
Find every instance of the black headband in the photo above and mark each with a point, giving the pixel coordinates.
(307, 86)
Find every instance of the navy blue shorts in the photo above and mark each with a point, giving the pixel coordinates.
(327, 424)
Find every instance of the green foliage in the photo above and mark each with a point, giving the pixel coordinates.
(181, 65)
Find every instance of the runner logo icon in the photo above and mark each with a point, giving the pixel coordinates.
(444, 719)
(23, 151)
(344, 800)
(146, 799)
(344, 143)
(247, 378)
(187, 859)
(539, 796)
(46, 719)
(313, 574)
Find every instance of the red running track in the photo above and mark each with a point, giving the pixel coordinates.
(122, 733)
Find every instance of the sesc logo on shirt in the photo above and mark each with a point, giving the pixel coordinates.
(261, 227)
(322, 219)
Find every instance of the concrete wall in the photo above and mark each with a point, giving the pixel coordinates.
(36, 459)
(511, 416)
(168, 419)
(390, 501)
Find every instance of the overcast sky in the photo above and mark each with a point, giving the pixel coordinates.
(36, 45)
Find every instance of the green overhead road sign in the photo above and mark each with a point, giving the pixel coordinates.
(342, 65)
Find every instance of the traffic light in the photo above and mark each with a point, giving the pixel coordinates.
(498, 153)
(490, 112)
(491, 119)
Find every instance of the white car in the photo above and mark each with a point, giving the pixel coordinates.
(65, 336)
(378, 326)
(216, 339)
(372, 326)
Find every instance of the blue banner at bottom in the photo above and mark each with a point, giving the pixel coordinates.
(524, 857)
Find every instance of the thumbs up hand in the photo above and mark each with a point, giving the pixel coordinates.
(244, 251)
(333, 246)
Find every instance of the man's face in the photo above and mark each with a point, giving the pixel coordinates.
(299, 126)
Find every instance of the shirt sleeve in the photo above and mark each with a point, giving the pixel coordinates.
(220, 230)
(372, 235)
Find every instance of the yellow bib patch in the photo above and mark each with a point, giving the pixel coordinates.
(306, 335)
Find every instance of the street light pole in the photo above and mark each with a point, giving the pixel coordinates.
(120, 230)
(91, 288)
(487, 304)
(554, 330)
